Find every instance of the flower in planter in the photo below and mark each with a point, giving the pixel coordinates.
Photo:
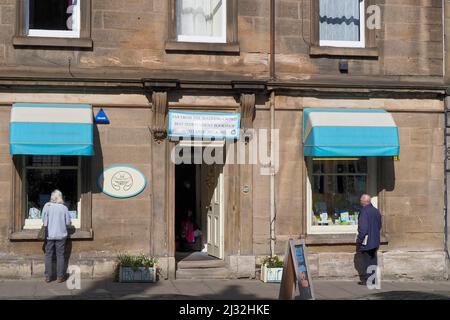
(272, 262)
(136, 261)
(272, 269)
(135, 268)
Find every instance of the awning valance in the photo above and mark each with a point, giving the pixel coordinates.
(349, 132)
(51, 129)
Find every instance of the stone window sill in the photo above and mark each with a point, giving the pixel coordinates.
(336, 239)
(199, 47)
(343, 52)
(24, 41)
(31, 235)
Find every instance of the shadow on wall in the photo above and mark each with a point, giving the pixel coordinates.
(386, 182)
(93, 171)
(386, 174)
(97, 164)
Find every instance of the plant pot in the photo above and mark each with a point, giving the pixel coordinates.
(271, 274)
(127, 274)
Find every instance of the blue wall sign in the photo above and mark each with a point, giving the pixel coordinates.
(101, 117)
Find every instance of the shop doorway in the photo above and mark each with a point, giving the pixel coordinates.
(199, 211)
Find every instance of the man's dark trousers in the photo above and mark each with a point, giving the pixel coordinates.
(369, 258)
(50, 247)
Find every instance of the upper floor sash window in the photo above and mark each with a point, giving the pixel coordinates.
(201, 20)
(341, 23)
(53, 18)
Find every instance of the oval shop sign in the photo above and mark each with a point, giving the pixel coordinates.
(122, 182)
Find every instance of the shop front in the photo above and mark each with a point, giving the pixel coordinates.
(50, 145)
(385, 149)
(167, 179)
(102, 168)
(342, 149)
(127, 190)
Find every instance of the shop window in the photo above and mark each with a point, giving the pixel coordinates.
(35, 178)
(335, 187)
(53, 18)
(341, 23)
(43, 174)
(62, 23)
(203, 25)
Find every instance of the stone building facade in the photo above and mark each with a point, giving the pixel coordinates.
(128, 60)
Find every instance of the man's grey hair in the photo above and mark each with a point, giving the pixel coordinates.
(366, 197)
(57, 197)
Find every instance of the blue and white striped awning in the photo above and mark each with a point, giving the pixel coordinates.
(349, 132)
(51, 129)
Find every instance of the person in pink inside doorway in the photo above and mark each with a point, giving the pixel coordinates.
(187, 228)
(189, 231)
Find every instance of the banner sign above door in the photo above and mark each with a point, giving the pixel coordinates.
(190, 124)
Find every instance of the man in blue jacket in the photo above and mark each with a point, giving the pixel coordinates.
(368, 239)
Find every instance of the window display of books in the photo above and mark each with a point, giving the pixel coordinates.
(339, 217)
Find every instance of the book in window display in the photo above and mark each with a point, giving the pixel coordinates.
(344, 218)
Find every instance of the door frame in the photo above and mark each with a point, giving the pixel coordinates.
(171, 221)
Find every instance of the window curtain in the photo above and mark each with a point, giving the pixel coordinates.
(339, 20)
(71, 12)
(200, 18)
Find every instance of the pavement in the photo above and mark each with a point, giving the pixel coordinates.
(241, 289)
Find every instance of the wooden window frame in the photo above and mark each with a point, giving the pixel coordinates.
(231, 46)
(18, 207)
(370, 45)
(21, 38)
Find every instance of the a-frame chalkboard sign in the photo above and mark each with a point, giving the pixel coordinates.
(296, 273)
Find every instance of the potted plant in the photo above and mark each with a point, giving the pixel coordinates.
(271, 269)
(136, 268)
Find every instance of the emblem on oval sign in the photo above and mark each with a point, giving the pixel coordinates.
(122, 180)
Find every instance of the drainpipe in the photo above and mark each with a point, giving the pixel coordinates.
(444, 35)
(446, 173)
(272, 39)
(272, 176)
(446, 114)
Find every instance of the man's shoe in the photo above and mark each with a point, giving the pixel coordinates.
(60, 280)
(47, 280)
(362, 283)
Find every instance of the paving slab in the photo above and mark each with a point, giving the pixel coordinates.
(192, 288)
(19, 288)
(216, 290)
